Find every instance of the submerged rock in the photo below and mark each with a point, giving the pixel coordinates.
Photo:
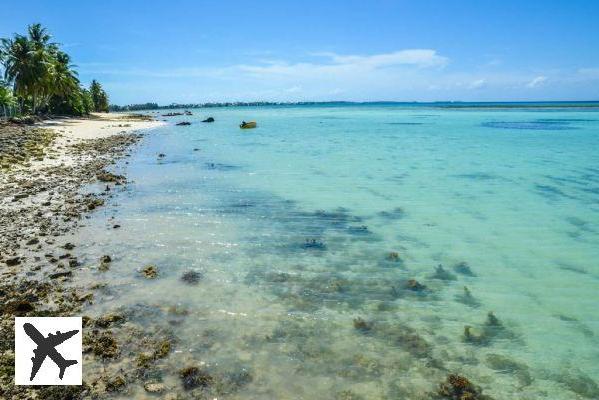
(579, 383)
(115, 384)
(209, 119)
(457, 387)
(191, 277)
(503, 364)
(154, 387)
(362, 325)
(150, 271)
(183, 123)
(491, 329)
(105, 263)
(105, 176)
(107, 320)
(467, 298)
(11, 262)
(314, 244)
(193, 377)
(415, 286)
(463, 268)
(393, 256)
(102, 344)
(442, 274)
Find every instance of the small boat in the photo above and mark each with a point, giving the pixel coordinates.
(248, 125)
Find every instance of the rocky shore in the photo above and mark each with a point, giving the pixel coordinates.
(42, 173)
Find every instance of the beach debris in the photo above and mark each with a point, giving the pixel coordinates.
(457, 387)
(183, 123)
(161, 155)
(463, 268)
(442, 274)
(467, 298)
(209, 119)
(193, 377)
(191, 277)
(150, 271)
(362, 325)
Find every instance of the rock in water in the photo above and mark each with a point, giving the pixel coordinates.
(191, 277)
(150, 271)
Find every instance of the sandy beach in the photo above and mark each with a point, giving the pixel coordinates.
(44, 166)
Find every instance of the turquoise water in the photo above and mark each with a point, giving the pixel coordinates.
(291, 226)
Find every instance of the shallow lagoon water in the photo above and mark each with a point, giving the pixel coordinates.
(291, 225)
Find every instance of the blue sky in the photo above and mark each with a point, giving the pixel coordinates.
(197, 51)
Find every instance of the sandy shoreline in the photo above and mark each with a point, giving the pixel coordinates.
(43, 168)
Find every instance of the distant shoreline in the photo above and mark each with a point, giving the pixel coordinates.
(441, 104)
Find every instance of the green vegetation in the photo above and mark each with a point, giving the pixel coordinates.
(40, 79)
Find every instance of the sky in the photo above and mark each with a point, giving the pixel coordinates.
(277, 50)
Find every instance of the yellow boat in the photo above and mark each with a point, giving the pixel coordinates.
(248, 125)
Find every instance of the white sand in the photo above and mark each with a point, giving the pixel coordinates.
(103, 125)
(73, 130)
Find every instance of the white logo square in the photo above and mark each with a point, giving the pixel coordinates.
(48, 351)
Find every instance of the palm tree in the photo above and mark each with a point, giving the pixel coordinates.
(16, 57)
(99, 97)
(7, 100)
(42, 77)
(64, 78)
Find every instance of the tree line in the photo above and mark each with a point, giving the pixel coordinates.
(38, 78)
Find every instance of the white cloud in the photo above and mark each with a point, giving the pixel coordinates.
(590, 73)
(536, 82)
(343, 64)
(294, 89)
(415, 57)
(477, 83)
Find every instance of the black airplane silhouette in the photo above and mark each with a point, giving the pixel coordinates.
(46, 347)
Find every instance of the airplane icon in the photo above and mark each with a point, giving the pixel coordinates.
(46, 347)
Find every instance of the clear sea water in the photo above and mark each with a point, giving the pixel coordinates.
(291, 226)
